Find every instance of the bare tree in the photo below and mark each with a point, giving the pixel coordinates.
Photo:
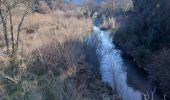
(8, 6)
(91, 7)
(3, 20)
(21, 22)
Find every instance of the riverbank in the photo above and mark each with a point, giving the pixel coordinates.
(142, 37)
(53, 61)
(137, 76)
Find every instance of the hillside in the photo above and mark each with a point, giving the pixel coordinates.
(84, 50)
(48, 60)
(144, 36)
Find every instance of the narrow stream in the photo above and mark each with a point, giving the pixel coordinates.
(113, 69)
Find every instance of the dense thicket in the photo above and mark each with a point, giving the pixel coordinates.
(144, 35)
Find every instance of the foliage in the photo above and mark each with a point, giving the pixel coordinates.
(159, 70)
(145, 32)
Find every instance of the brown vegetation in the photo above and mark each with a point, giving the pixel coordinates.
(50, 63)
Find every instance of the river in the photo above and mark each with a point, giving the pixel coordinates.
(123, 76)
(112, 67)
(130, 82)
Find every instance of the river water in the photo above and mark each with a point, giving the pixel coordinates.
(112, 67)
(124, 77)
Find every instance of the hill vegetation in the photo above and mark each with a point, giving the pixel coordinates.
(144, 35)
(44, 55)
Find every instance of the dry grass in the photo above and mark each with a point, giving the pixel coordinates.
(109, 23)
(51, 52)
(57, 56)
(75, 78)
(58, 37)
(39, 29)
(51, 61)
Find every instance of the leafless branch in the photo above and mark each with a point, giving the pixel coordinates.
(20, 24)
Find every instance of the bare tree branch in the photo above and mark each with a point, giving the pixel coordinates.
(20, 24)
(4, 27)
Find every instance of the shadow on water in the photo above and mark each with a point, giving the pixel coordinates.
(137, 77)
(121, 73)
(112, 68)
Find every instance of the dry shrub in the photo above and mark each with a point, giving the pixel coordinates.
(54, 42)
(66, 74)
(2, 44)
(50, 22)
(62, 65)
(57, 56)
(57, 61)
(39, 29)
(109, 23)
(92, 55)
(56, 51)
(59, 89)
(159, 70)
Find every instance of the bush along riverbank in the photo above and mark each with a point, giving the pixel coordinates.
(144, 36)
(53, 60)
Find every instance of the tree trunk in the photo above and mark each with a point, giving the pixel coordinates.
(6, 35)
(12, 31)
(4, 28)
